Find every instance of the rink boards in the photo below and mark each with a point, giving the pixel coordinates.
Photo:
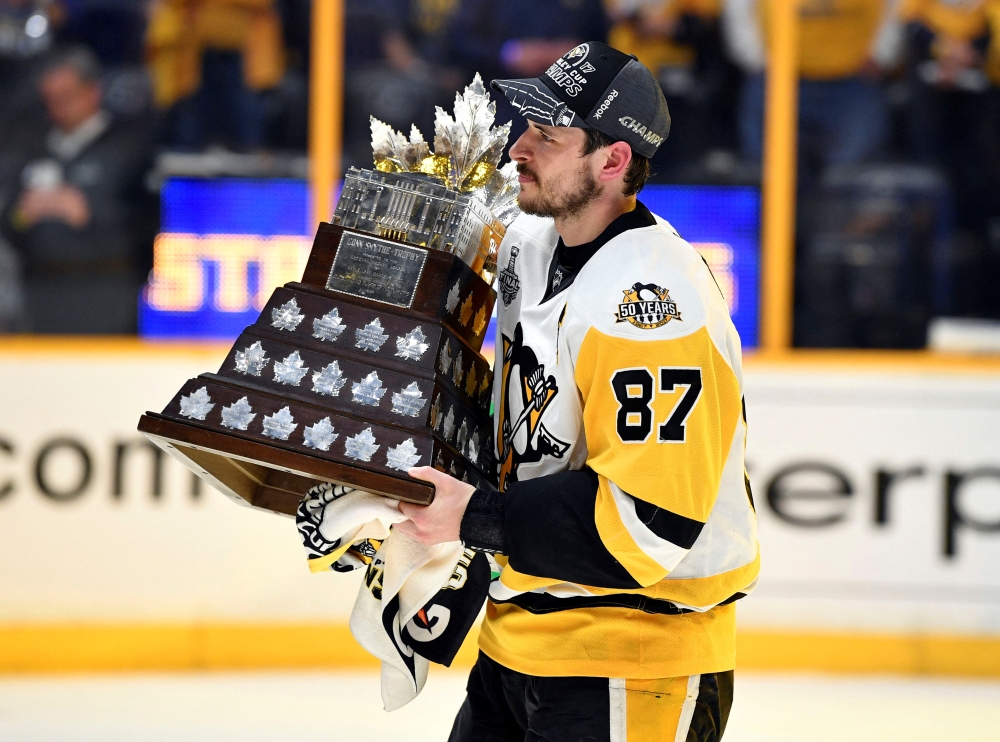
(876, 480)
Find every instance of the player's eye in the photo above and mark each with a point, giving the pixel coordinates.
(545, 137)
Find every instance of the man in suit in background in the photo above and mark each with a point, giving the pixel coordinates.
(72, 187)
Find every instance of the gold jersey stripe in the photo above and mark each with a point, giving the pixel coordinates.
(610, 642)
(643, 568)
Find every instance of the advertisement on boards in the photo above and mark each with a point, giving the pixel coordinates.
(877, 493)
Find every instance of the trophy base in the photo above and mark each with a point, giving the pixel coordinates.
(265, 477)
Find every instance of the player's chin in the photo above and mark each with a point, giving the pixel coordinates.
(528, 201)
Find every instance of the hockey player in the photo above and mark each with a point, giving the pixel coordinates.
(624, 525)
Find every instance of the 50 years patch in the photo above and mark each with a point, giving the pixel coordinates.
(647, 306)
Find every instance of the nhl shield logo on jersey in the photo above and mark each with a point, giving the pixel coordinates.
(647, 306)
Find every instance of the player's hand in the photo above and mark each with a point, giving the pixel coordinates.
(441, 521)
(65, 203)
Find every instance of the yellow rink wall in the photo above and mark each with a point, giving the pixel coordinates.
(108, 648)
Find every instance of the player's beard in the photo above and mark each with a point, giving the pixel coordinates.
(554, 201)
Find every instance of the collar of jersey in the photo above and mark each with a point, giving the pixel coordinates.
(573, 259)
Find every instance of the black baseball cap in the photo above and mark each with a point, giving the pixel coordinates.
(598, 87)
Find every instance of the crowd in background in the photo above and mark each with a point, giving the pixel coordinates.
(899, 146)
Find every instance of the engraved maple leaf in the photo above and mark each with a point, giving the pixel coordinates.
(480, 324)
(469, 139)
(466, 314)
(471, 381)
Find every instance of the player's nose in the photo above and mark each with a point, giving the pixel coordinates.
(520, 151)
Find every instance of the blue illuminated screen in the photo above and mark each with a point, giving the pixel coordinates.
(723, 224)
(226, 243)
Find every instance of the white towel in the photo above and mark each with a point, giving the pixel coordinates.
(396, 608)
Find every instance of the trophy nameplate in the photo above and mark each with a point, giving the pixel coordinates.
(373, 268)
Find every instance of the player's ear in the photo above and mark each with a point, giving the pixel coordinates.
(617, 157)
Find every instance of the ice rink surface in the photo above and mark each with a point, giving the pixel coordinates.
(342, 707)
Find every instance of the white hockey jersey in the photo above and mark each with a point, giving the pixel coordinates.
(620, 434)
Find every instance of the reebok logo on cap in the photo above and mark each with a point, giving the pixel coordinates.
(604, 106)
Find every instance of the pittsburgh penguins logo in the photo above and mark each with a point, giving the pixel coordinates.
(647, 306)
(577, 57)
(526, 393)
(578, 52)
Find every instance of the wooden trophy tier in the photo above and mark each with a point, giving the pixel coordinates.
(424, 283)
(335, 384)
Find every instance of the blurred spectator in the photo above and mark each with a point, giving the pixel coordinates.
(25, 28)
(427, 29)
(681, 42)
(71, 191)
(947, 41)
(26, 32)
(286, 105)
(210, 60)
(990, 126)
(399, 67)
(991, 118)
(11, 292)
(845, 46)
(112, 29)
(521, 38)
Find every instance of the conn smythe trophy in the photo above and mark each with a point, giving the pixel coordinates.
(370, 365)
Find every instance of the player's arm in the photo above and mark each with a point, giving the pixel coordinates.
(659, 419)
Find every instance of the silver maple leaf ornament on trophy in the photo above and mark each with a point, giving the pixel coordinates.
(370, 364)
(455, 199)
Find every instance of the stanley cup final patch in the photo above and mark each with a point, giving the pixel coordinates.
(510, 284)
(647, 306)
